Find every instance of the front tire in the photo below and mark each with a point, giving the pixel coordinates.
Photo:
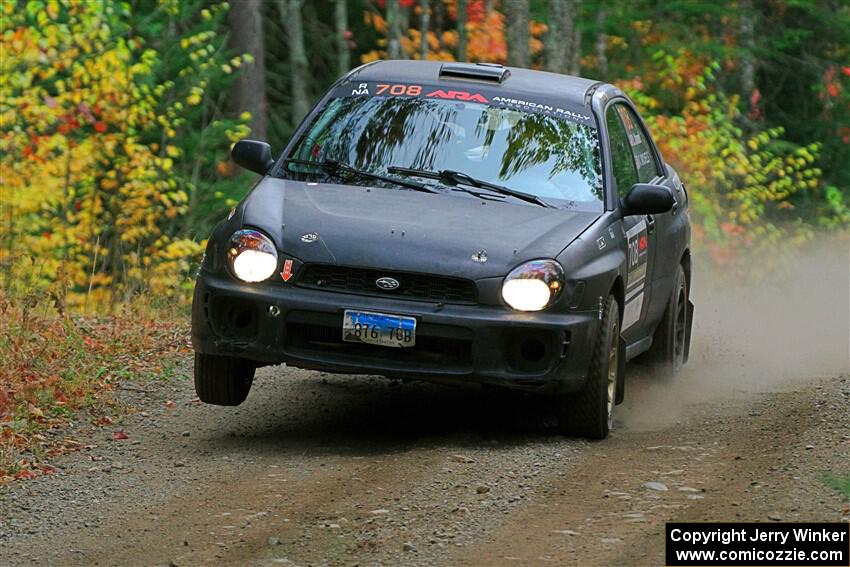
(222, 380)
(589, 412)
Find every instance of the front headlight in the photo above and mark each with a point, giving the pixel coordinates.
(534, 285)
(251, 255)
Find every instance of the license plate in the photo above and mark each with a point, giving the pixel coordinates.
(378, 329)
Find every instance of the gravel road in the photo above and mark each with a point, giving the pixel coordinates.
(321, 470)
(317, 469)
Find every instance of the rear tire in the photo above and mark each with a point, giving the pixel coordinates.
(223, 380)
(589, 412)
(669, 344)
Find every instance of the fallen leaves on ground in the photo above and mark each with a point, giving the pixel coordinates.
(56, 369)
(119, 435)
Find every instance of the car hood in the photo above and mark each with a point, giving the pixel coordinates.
(397, 229)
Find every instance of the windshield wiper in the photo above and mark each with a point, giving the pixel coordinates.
(452, 177)
(339, 167)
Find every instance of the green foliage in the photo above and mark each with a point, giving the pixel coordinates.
(198, 68)
(803, 49)
(840, 482)
(839, 213)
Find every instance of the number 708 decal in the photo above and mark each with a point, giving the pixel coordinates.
(399, 90)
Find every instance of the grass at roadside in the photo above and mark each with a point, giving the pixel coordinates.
(55, 369)
(840, 482)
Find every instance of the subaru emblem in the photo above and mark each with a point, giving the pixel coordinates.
(387, 283)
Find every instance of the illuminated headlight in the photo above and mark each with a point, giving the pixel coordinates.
(251, 255)
(534, 285)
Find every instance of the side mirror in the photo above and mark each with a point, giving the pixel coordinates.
(647, 199)
(253, 155)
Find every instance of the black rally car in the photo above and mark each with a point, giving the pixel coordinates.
(459, 223)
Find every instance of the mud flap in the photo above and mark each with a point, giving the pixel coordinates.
(620, 394)
(690, 315)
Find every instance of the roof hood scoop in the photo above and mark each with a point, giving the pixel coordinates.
(485, 72)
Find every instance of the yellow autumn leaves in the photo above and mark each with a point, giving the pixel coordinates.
(91, 199)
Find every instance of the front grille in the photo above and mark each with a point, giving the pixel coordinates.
(422, 287)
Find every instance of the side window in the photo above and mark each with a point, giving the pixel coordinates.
(644, 160)
(621, 155)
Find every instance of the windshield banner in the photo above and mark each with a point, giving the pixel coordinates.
(473, 93)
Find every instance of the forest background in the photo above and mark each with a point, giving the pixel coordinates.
(117, 119)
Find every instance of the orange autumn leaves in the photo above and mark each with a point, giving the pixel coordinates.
(485, 35)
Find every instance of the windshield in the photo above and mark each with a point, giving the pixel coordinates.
(547, 156)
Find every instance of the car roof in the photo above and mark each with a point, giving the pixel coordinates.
(518, 81)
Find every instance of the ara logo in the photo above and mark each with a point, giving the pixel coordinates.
(457, 95)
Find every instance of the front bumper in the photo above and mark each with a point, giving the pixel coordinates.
(273, 324)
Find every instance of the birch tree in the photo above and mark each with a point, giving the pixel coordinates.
(245, 21)
(343, 53)
(517, 32)
(393, 29)
(560, 37)
(290, 16)
(461, 30)
(424, 23)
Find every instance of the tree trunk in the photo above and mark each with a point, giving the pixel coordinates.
(343, 53)
(602, 43)
(517, 32)
(575, 55)
(290, 15)
(559, 38)
(437, 14)
(461, 30)
(394, 30)
(424, 23)
(748, 65)
(249, 89)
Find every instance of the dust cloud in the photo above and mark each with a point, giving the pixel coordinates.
(770, 333)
